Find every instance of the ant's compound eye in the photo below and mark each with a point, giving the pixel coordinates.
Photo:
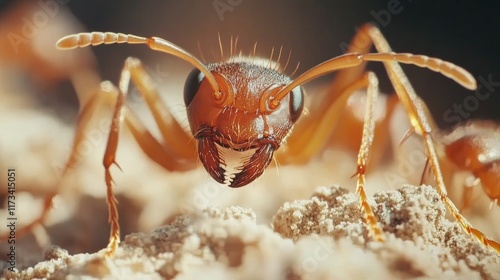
(296, 103)
(192, 85)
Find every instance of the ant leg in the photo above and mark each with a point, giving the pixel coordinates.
(175, 138)
(323, 127)
(364, 153)
(316, 129)
(175, 153)
(360, 43)
(88, 109)
(178, 141)
(47, 205)
(153, 149)
(320, 126)
(347, 133)
(159, 152)
(423, 125)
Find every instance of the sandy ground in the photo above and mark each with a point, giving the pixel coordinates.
(323, 237)
(291, 225)
(294, 222)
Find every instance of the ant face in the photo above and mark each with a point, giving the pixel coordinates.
(236, 120)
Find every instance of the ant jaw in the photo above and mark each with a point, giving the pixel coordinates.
(213, 159)
(253, 167)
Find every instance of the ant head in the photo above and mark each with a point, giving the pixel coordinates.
(235, 118)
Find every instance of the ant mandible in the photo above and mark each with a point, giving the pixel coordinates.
(244, 104)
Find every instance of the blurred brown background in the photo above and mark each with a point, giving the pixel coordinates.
(464, 32)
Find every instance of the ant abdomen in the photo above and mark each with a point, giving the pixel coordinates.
(475, 147)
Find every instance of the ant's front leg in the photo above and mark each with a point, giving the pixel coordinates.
(176, 153)
(364, 153)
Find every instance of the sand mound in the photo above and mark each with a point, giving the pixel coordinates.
(323, 237)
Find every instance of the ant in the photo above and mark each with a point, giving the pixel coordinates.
(249, 105)
(474, 147)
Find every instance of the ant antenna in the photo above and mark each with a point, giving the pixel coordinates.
(452, 71)
(81, 40)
